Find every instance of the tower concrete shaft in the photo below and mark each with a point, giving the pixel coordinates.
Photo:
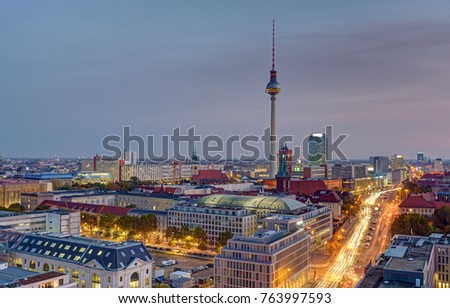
(273, 138)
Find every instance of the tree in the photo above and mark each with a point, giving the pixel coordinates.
(413, 186)
(135, 180)
(200, 236)
(202, 246)
(107, 222)
(184, 231)
(441, 218)
(89, 220)
(15, 207)
(115, 235)
(413, 224)
(126, 223)
(146, 224)
(42, 207)
(172, 233)
(223, 238)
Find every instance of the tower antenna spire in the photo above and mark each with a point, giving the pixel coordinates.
(273, 43)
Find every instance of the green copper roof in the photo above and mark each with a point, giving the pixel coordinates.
(256, 202)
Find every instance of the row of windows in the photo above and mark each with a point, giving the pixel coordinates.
(226, 216)
(75, 275)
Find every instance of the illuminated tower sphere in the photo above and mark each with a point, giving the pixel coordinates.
(273, 88)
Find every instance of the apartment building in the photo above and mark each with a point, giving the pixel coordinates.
(213, 220)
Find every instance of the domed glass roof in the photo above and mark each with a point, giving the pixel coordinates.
(256, 202)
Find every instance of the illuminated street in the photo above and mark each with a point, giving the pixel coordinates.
(347, 267)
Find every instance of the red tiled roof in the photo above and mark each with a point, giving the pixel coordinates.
(304, 198)
(429, 196)
(429, 182)
(329, 196)
(439, 204)
(210, 175)
(16, 181)
(306, 187)
(89, 208)
(165, 190)
(40, 277)
(433, 176)
(417, 201)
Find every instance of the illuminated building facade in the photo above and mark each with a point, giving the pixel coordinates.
(276, 257)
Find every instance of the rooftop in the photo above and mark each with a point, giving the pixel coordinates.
(81, 250)
(263, 236)
(11, 214)
(89, 208)
(194, 207)
(417, 201)
(146, 212)
(16, 182)
(282, 217)
(40, 277)
(254, 202)
(405, 254)
(49, 176)
(10, 275)
(396, 251)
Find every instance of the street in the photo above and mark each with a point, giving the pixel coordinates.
(345, 268)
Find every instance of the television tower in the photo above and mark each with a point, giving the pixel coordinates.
(273, 88)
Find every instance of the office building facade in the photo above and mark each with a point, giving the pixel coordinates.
(271, 258)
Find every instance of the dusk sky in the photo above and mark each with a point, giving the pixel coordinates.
(72, 72)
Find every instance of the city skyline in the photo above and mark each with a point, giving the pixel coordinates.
(375, 71)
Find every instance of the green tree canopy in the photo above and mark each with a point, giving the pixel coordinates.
(172, 233)
(107, 221)
(41, 207)
(224, 237)
(441, 218)
(413, 224)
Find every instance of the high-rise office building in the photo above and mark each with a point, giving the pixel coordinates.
(130, 157)
(420, 160)
(397, 162)
(380, 165)
(317, 149)
(438, 165)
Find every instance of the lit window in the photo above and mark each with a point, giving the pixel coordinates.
(134, 280)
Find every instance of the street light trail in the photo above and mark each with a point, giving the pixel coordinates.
(345, 261)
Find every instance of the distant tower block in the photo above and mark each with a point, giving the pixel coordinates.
(273, 88)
